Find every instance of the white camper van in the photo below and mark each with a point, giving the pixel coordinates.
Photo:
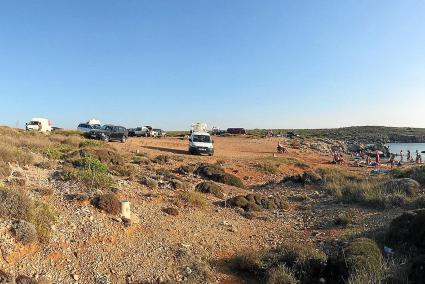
(39, 124)
(200, 141)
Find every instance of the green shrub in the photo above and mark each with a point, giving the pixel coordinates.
(91, 143)
(361, 258)
(210, 187)
(267, 168)
(56, 152)
(108, 203)
(104, 154)
(91, 164)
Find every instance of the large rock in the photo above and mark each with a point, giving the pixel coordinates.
(407, 186)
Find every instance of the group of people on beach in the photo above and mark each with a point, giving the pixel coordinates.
(409, 158)
(365, 159)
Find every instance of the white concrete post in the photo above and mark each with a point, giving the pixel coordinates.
(125, 210)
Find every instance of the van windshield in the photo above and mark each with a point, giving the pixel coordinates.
(34, 123)
(201, 138)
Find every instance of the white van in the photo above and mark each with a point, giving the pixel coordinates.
(200, 143)
(39, 124)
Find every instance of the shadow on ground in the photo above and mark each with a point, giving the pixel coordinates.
(169, 150)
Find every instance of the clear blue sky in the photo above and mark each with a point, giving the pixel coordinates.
(230, 63)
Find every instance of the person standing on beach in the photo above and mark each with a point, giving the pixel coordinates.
(377, 158)
(401, 155)
(409, 156)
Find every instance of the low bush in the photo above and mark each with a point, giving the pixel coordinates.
(140, 160)
(16, 204)
(361, 259)
(126, 170)
(256, 202)
(149, 182)
(91, 143)
(407, 232)
(192, 198)
(210, 187)
(344, 219)
(217, 174)
(108, 203)
(24, 232)
(186, 169)
(104, 154)
(267, 168)
(162, 159)
(306, 178)
(56, 152)
(280, 275)
(12, 154)
(5, 170)
(90, 172)
(289, 261)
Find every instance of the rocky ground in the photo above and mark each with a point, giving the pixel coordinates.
(91, 246)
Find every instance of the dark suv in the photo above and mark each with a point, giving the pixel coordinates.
(108, 133)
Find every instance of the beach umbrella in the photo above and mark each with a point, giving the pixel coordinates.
(380, 152)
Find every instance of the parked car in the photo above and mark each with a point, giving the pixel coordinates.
(108, 133)
(39, 124)
(291, 134)
(201, 143)
(236, 131)
(85, 127)
(160, 132)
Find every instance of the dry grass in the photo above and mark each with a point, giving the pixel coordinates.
(193, 198)
(16, 204)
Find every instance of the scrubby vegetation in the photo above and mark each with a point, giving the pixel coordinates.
(88, 171)
(217, 173)
(375, 192)
(192, 198)
(107, 202)
(16, 204)
(288, 262)
(25, 232)
(256, 202)
(210, 187)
